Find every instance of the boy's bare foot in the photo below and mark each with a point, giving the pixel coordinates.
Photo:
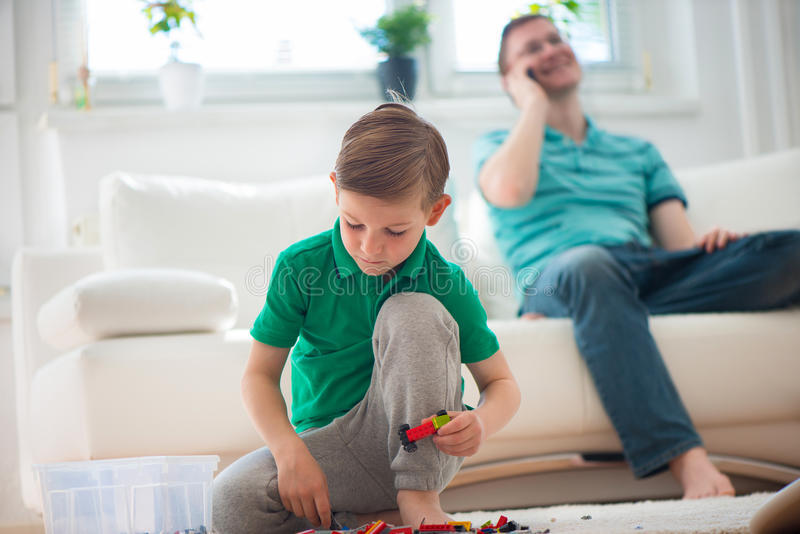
(698, 476)
(418, 505)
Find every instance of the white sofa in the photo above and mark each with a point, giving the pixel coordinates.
(178, 393)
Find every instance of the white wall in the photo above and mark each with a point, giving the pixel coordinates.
(11, 510)
(59, 173)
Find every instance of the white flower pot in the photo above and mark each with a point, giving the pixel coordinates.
(181, 85)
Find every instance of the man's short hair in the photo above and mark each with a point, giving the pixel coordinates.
(392, 153)
(502, 65)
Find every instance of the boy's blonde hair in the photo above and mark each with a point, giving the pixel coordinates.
(391, 153)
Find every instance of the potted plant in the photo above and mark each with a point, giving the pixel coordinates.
(181, 83)
(562, 12)
(398, 34)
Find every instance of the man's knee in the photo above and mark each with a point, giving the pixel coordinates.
(787, 242)
(589, 263)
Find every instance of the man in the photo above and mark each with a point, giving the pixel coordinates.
(577, 206)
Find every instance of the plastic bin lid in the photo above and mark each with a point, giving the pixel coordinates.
(109, 462)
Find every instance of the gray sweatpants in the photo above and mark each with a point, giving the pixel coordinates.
(417, 372)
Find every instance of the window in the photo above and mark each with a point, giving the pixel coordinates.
(602, 39)
(251, 50)
(237, 36)
(478, 30)
(261, 50)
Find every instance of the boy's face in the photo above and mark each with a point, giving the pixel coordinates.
(380, 235)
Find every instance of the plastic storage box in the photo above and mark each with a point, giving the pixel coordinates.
(155, 495)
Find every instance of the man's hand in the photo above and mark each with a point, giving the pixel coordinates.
(523, 89)
(462, 436)
(717, 238)
(303, 486)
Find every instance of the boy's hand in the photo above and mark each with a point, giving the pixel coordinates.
(303, 486)
(462, 436)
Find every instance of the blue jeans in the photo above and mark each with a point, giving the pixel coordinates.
(609, 291)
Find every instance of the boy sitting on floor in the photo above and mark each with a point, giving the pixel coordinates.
(380, 324)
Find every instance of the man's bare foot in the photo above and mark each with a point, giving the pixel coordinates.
(698, 476)
(390, 517)
(416, 506)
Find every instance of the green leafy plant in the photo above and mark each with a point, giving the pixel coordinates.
(399, 33)
(561, 12)
(167, 16)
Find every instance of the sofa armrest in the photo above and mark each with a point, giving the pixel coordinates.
(36, 275)
(128, 302)
(142, 396)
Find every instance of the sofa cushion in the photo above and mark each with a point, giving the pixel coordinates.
(729, 368)
(235, 231)
(144, 396)
(136, 301)
(749, 195)
(110, 398)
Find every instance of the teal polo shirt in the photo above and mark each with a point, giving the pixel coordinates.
(320, 302)
(597, 192)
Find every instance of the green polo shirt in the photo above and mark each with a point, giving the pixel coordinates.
(320, 302)
(598, 192)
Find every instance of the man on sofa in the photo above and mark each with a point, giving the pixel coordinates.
(573, 209)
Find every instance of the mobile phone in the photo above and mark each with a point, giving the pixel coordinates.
(531, 75)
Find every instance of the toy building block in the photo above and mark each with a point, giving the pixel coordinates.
(502, 525)
(434, 527)
(466, 525)
(409, 435)
(401, 530)
(510, 526)
(376, 528)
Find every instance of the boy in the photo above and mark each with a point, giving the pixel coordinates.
(384, 323)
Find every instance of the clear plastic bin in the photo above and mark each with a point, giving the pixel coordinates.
(154, 495)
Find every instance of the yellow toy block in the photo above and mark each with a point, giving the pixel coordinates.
(440, 420)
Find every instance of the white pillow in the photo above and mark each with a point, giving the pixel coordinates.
(232, 230)
(136, 301)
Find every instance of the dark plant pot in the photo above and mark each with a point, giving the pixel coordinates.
(398, 74)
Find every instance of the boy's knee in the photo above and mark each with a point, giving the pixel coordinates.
(403, 309)
(418, 323)
(243, 500)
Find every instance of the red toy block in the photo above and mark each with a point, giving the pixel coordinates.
(502, 521)
(422, 431)
(402, 530)
(442, 527)
(409, 435)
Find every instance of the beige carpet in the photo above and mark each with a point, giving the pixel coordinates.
(707, 516)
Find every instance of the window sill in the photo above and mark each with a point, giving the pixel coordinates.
(434, 109)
